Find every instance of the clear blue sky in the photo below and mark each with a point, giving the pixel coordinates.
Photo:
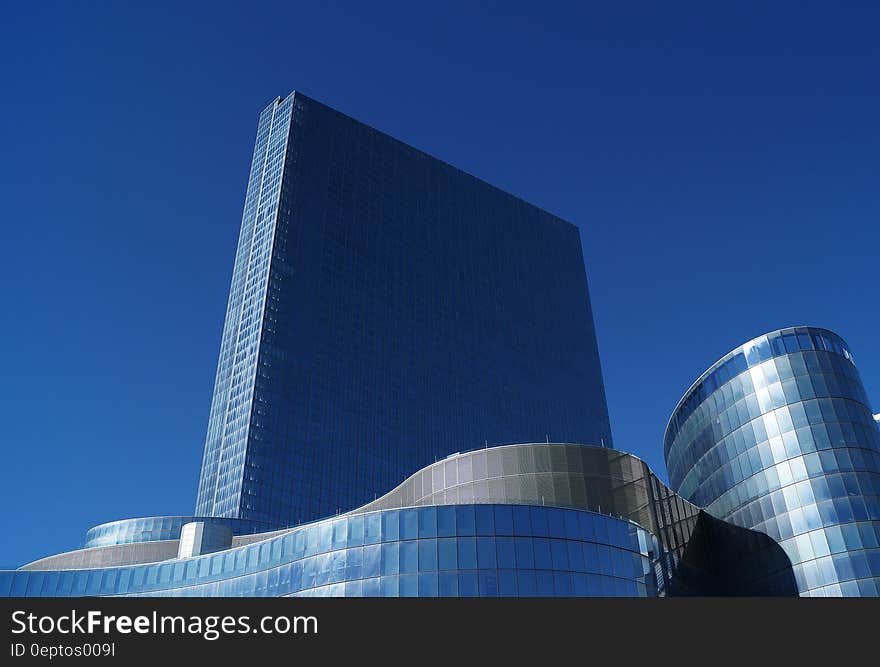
(721, 159)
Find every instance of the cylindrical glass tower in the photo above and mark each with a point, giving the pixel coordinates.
(778, 436)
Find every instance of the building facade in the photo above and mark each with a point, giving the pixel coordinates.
(389, 314)
(549, 520)
(777, 437)
(385, 310)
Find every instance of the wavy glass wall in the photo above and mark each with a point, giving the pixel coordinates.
(466, 550)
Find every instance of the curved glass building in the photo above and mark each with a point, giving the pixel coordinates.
(529, 520)
(518, 520)
(465, 550)
(778, 437)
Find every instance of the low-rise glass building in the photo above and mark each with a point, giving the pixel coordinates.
(519, 520)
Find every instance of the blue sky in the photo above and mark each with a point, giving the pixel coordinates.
(722, 163)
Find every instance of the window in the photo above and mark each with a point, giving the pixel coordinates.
(543, 559)
(525, 557)
(428, 555)
(390, 558)
(409, 524)
(390, 526)
(464, 519)
(427, 517)
(467, 553)
(486, 553)
(447, 554)
(446, 521)
(485, 520)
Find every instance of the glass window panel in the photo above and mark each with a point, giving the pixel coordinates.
(409, 585)
(526, 583)
(427, 521)
(562, 584)
(488, 582)
(372, 528)
(468, 585)
(409, 524)
(522, 524)
(340, 533)
(446, 521)
(447, 554)
(525, 557)
(506, 552)
(372, 557)
(575, 556)
(485, 520)
(486, 553)
(503, 520)
(507, 583)
(429, 585)
(546, 586)
(556, 522)
(543, 559)
(559, 554)
(391, 558)
(467, 553)
(538, 516)
(427, 555)
(448, 584)
(390, 526)
(389, 586)
(325, 537)
(356, 531)
(464, 520)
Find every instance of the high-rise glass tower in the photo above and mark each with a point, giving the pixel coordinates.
(386, 310)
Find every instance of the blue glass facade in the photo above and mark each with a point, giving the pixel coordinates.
(548, 519)
(386, 309)
(778, 437)
(449, 551)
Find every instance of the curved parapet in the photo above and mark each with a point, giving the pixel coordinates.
(155, 528)
(141, 540)
(109, 556)
(777, 436)
(574, 476)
